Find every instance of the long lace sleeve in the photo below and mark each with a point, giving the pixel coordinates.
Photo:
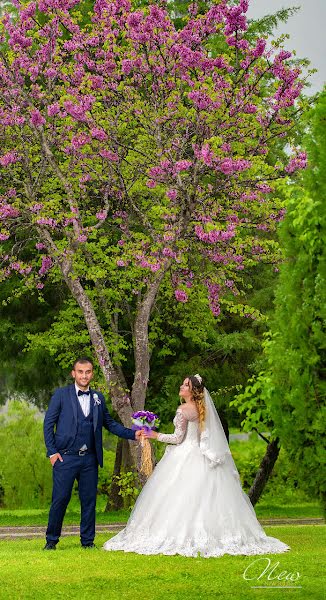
(180, 423)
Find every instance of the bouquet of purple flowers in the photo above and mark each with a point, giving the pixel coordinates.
(143, 419)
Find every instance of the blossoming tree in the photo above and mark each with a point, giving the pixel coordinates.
(132, 151)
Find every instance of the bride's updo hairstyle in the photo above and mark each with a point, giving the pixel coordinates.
(197, 389)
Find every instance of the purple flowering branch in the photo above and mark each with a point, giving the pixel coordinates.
(129, 151)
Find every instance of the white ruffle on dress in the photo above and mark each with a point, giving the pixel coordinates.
(188, 508)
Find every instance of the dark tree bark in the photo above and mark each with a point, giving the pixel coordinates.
(265, 470)
(115, 501)
(123, 462)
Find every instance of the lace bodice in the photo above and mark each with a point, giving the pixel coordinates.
(185, 425)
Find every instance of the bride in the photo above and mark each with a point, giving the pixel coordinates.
(193, 502)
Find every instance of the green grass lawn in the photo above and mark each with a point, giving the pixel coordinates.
(263, 509)
(70, 572)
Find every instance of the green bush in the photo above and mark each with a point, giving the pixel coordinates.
(282, 484)
(25, 472)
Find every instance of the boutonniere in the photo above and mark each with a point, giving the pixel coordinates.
(97, 401)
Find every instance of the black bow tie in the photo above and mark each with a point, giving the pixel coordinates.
(81, 393)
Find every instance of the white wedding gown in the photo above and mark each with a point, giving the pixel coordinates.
(188, 508)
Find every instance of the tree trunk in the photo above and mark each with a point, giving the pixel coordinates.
(115, 501)
(141, 347)
(264, 471)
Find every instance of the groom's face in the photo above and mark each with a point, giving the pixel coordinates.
(82, 374)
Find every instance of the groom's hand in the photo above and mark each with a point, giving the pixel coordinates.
(56, 457)
(138, 434)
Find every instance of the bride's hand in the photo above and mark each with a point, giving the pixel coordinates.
(150, 434)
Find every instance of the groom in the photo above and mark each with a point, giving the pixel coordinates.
(73, 438)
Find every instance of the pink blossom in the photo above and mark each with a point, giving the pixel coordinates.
(156, 172)
(99, 134)
(296, 163)
(207, 155)
(101, 215)
(111, 156)
(36, 118)
(8, 159)
(127, 66)
(264, 188)
(229, 166)
(8, 212)
(3, 236)
(40, 286)
(50, 73)
(155, 267)
(250, 109)
(201, 101)
(47, 221)
(283, 55)
(213, 296)
(53, 109)
(259, 48)
(46, 265)
(168, 252)
(150, 183)
(181, 296)
(82, 238)
(40, 246)
(182, 165)
(172, 194)
(79, 140)
(235, 20)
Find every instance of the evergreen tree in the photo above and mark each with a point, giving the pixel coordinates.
(291, 390)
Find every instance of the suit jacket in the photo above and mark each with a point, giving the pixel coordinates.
(60, 422)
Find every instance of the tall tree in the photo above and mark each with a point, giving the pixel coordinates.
(131, 150)
(296, 348)
(288, 395)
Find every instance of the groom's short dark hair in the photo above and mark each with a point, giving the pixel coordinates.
(83, 360)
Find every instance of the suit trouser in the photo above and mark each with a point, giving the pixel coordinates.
(84, 469)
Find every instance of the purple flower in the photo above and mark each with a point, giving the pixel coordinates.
(111, 156)
(53, 109)
(8, 159)
(46, 265)
(172, 194)
(99, 134)
(181, 296)
(101, 215)
(182, 165)
(36, 118)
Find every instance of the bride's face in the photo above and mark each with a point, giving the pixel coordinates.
(185, 389)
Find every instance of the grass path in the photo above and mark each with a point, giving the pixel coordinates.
(30, 532)
(264, 511)
(72, 573)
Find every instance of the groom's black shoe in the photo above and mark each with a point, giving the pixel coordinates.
(49, 546)
(91, 546)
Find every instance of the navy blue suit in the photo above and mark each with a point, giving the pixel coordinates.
(66, 430)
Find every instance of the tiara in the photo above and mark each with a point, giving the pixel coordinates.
(198, 377)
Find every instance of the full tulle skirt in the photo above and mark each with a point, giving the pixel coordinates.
(189, 508)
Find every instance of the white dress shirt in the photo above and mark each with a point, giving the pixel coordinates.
(84, 401)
